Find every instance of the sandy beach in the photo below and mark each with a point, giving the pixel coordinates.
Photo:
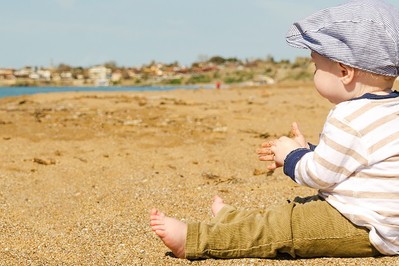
(81, 171)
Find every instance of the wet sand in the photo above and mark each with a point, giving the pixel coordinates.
(80, 171)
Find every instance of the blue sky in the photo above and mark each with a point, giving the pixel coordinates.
(135, 32)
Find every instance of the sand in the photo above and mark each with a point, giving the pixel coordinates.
(80, 171)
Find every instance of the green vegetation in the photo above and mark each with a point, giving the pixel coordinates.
(199, 79)
(177, 81)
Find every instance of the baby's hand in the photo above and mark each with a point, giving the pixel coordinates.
(276, 151)
(282, 147)
(266, 154)
(298, 137)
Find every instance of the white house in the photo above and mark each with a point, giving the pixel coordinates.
(100, 75)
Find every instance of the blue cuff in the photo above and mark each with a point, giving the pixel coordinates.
(292, 159)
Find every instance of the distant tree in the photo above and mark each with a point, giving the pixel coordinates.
(233, 60)
(284, 62)
(152, 63)
(174, 64)
(111, 64)
(125, 73)
(270, 59)
(63, 68)
(218, 60)
(77, 71)
(270, 71)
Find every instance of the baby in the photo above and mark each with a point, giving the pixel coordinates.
(355, 166)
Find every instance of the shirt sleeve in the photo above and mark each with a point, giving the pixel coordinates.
(338, 155)
(291, 161)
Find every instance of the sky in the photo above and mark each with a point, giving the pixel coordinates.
(135, 32)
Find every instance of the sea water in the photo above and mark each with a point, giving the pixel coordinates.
(15, 91)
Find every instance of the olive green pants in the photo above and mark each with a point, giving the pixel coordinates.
(306, 228)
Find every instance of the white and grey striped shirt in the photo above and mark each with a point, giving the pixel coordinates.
(356, 166)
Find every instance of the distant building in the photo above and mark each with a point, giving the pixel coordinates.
(23, 72)
(44, 74)
(7, 73)
(116, 76)
(100, 75)
(66, 75)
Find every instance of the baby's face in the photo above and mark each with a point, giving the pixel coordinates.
(327, 78)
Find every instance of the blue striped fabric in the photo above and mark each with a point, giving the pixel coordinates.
(362, 33)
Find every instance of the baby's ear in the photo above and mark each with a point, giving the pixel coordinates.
(347, 73)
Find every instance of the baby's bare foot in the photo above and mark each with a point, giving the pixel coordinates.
(217, 205)
(171, 231)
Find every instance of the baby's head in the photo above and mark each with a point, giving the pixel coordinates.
(338, 82)
(363, 34)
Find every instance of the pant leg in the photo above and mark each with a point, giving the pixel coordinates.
(240, 233)
(319, 230)
(311, 229)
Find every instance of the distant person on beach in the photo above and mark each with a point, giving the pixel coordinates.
(355, 166)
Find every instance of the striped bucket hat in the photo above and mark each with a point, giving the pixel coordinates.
(362, 33)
